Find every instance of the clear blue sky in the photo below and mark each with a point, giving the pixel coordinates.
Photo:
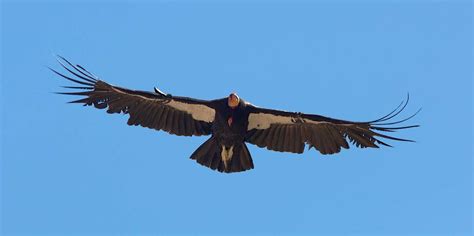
(68, 169)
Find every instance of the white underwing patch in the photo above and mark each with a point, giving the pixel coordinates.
(197, 111)
(313, 122)
(263, 120)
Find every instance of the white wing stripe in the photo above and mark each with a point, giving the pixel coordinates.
(197, 111)
(314, 122)
(263, 120)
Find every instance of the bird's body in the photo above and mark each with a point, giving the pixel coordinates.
(225, 150)
(231, 122)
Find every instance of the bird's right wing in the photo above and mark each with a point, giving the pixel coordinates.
(175, 115)
(290, 131)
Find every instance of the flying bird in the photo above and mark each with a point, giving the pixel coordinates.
(231, 122)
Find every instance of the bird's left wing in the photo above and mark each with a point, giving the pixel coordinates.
(290, 132)
(175, 115)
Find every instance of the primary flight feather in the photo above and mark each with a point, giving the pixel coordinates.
(230, 121)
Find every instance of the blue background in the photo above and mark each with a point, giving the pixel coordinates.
(68, 169)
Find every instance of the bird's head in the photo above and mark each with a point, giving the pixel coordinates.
(233, 100)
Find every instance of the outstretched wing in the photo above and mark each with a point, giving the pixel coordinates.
(290, 132)
(175, 115)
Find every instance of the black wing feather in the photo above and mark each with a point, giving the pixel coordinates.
(147, 109)
(325, 134)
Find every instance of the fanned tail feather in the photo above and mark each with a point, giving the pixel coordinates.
(209, 154)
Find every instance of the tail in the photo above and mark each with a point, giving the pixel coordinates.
(223, 159)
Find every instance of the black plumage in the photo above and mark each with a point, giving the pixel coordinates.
(231, 122)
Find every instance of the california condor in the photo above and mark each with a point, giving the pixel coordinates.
(230, 121)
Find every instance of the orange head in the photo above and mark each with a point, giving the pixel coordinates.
(233, 100)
